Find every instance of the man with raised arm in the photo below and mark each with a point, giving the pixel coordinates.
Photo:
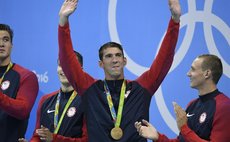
(115, 103)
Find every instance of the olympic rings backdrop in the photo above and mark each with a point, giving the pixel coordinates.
(139, 25)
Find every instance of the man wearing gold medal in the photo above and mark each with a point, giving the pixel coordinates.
(60, 116)
(18, 91)
(114, 104)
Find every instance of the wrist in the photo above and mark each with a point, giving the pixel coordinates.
(63, 20)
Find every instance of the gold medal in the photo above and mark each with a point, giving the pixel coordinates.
(116, 133)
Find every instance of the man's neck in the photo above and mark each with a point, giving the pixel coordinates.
(207, 89)
(114, 78)
(4, 62)
(66, 88)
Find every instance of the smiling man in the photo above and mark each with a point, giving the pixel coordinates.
(206, 118)
(115, 103)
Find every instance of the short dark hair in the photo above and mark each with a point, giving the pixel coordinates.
(213, 63)
(109, 45)
(79, 57)
(4, 27)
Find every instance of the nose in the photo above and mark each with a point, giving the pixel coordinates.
(1, 43)
(115, 59)
(188, 73)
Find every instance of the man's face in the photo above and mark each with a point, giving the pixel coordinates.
(113, 62)
(5, 45)
(61, 75)
(196, 74)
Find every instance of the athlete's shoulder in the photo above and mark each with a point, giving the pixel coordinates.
(23, 71)
(48, 97)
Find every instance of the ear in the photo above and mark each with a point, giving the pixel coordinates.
(208, 74)
(101, 64)
(125, 61)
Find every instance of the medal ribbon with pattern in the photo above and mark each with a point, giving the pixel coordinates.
(8, 68)
(57, 123)
(116, 118)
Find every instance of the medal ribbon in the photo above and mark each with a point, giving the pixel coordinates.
(116, 118)
(8, 68)
(57, 123)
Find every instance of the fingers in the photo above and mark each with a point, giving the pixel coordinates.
(141, 127)
(43, 132)
(177, 108)
(174, 107)
(71, 1)
(179, 112)
(138, 126)
(22, 140)
(145, 122)
(175, 10)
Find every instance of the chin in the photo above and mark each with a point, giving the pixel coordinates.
(116, 76)
(191, 85)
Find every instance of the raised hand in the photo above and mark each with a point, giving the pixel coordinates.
(181, 117)
(175, 9)
(68, 7)
(146, 130)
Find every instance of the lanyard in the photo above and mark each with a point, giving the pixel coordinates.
(116, 118)
(8, 68)
(57, 123)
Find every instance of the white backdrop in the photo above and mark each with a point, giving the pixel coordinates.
(139, 26)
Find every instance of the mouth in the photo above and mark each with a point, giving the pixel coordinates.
(2, 50)
(115, 67)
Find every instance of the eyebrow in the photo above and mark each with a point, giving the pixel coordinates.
(113, 54)
(6, 37)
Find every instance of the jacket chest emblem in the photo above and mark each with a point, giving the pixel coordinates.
(5, 85)
(203, 117)
(71, 112)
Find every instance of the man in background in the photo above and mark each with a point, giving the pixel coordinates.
(60, 116)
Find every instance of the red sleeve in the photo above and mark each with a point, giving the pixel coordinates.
(187, 133)
(70, 65)
(163, 138)
(221, 126)
(152, 78)
(84, 138)
(21, 106)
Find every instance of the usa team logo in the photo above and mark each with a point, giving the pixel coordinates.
(5, 85)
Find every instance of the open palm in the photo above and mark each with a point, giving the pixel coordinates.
(68, 8)
(175, 9)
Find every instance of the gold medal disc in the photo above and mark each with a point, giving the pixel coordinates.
(116, 133)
